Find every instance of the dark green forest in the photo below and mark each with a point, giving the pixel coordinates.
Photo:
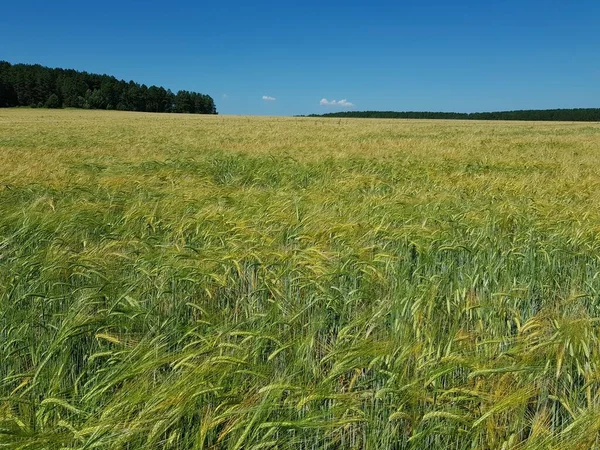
(38, 86)
(576, 115)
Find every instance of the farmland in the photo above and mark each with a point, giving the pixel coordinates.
(196, 282)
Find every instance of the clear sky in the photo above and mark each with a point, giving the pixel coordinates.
(466, 56)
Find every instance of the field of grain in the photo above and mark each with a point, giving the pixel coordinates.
(198, 282)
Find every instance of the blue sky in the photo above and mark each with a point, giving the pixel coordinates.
(395, 55)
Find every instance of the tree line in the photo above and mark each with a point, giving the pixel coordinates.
(576, 115)
(38, 86)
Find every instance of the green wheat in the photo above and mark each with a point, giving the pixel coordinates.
(187, 282)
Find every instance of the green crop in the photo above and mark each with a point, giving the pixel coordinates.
(189, 282)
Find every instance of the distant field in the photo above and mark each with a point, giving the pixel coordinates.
(197, 282)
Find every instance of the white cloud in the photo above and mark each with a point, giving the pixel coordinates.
(268, 98)
(341, 103)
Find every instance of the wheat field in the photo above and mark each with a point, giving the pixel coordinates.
(208, 282)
